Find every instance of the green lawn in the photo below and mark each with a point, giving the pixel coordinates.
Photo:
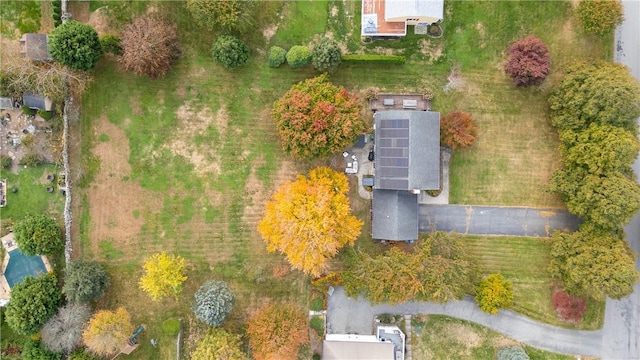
(19, 17)
(443, 337)
(524, 262)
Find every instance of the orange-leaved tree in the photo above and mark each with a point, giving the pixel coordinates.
(277, 331)
(316, 118)
(309, 220)
(457, 130)
(108, 331)
(164, 275)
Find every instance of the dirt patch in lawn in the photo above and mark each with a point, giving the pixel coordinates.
(112, 198)
(464, 334)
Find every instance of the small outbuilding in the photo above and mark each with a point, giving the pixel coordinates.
(35, 47)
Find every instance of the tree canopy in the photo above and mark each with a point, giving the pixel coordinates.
(277, 332)
(85, 281)
(38, 235)
(594, 263)
(600, 17)
(107, 331)
(494, 292)
(75, 45)
(219, 345)
(309, 220)
(213, 302)
(326, 55)
(229, 51)
(149, 46)
(528, 61)
(316, 118)
(163, 275)
(62, 333)
(600, 92)
(226, 16)
(439, 270)
(32, 303)
(457, 130)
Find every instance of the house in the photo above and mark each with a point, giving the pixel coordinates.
(386, 344)
(35, 47)
(407, 161)
(390, 18)
(37, 101)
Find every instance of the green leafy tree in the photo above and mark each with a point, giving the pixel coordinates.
(32, 303)
(600, 17)
(608, 201)
(219, 345)
(277, 56)
(229, 51)
(85, 281)
(298, 56)
(438, 270)
(38, 235)
(600, 92)
(494, 292)
(226, 16)
(309, 220)
(277, 332)
(163, 275)
(600, 149)
(511, 353)
(326, 55)
(213, 302)
(594, 263)
(62, 333)
(316, 118)
(34, 350)
(75, 45)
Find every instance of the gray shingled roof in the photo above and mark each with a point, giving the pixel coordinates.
(35, 47)
(34, 101)
(395, 215)
(407, 150)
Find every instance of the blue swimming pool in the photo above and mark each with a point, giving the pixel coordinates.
(20, 266)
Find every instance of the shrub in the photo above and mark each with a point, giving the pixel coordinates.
(326, 55)
(494, 292)
(529, 62)
(83, 354)
(317, 323)
(47, 115)
(375, 59)
(29, 111)
(277, 56)
(75, 45)
(213, 302)
(457, 130)
(33, 350)
(5, 162)
(298, 56)
(110, 44)
(568, 308)
(600, 17)
(171, 327)
(511, 353)
(31, 159)
(229, 51)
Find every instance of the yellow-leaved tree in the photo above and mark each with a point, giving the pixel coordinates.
(163, 275)
(309, 220)
(108, 331)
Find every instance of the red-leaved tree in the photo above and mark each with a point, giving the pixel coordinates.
(316, 118)
(528, 62)
(149, 46)
(457, 130)
(568, 308)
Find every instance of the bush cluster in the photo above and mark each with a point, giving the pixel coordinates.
(298, 56)
(277, 56)
(47, 115)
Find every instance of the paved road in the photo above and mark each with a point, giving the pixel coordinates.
(495, 220)
(346, 315)
(621, 319)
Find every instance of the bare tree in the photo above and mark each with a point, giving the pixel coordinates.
(63, 332)
(149, 46)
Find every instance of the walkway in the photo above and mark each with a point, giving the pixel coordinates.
(346, 315)
(495, 220)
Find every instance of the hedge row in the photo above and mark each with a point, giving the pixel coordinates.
(57, 12)
(375, 59)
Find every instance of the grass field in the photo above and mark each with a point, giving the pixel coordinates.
(524, 262)
(185, 163)
(443, 337)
